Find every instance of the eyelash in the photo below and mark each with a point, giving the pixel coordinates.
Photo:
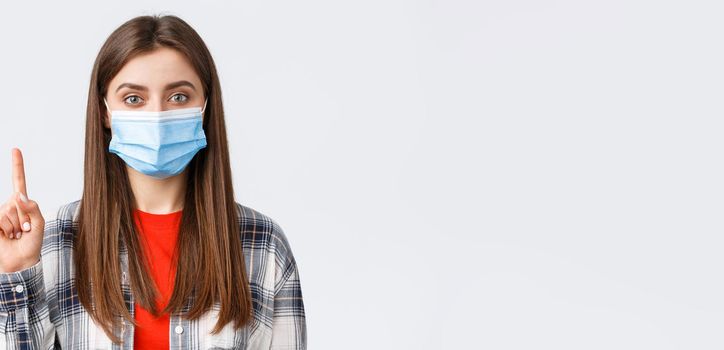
(129, 96)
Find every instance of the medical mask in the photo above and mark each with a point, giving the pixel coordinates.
(158, 144)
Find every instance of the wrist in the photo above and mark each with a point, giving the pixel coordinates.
(19, 266)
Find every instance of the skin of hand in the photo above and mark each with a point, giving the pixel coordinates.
(21, 224)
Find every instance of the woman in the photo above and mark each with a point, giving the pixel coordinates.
(156, 253)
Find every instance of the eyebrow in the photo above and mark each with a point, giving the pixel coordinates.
(168, 87)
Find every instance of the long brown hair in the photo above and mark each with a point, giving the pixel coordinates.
(209, 261)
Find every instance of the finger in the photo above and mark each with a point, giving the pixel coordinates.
(7, 227)
(19, 172)
(11, 213)
(5, 234)
(31, 209)
(23, 218)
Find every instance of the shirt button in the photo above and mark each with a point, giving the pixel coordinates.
(124, 276)
(19, 288)
(179, 330)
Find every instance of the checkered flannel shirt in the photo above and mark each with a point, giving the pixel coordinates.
(39, 306)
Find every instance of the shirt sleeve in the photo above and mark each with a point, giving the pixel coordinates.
(289, 327)
(24, 317)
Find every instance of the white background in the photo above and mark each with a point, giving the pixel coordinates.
(450, 174)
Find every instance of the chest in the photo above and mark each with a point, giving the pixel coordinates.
(77, 330)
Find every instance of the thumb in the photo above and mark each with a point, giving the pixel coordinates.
(28, 212)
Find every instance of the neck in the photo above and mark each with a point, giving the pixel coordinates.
(157, 196)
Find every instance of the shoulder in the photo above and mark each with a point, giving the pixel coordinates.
(65, 220)
(258, 231)
(69, 211)
(258, 228)
(265, 237)
(252, 223)
(58, 238)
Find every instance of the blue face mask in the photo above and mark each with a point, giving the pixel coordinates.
(158, 144)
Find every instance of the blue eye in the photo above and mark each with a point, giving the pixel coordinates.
(132, 103)
(185, 98)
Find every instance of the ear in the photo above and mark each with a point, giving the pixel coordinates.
(106, 116)
(107, 119)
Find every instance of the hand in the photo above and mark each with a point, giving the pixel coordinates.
(21, 224)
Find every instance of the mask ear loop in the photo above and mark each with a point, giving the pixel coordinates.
(203, 109)
(107, 108)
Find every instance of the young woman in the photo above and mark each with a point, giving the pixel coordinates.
(157, 253)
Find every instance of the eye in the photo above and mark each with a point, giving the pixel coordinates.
(129, 97)
(184, 99)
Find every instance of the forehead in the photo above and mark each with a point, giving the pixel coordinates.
(155, 69)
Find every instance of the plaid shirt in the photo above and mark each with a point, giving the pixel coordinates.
(39, 307)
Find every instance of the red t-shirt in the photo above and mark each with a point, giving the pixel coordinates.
(159, 233)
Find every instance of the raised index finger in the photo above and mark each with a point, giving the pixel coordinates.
(19, 172)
